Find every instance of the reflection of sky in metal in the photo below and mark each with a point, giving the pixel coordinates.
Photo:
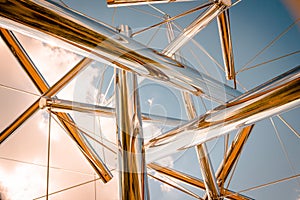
(254, 25)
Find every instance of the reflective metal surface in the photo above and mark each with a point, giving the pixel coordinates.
(133, 182)
(43, 87)
(47, 20)
(196, 26)
(60, 105)
(212, 189)
(193, 181)
(203, 157)
(232, 156)
(226, 43)
(276, 96)
(117, 3)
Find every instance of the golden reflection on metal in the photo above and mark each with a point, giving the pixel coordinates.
(175, 185)
(94, 160)
(277, 95)
(211, 187)
(225, 38)
(43, 87)
(203, 157)
(118, 3)
(60, 105)
(168, 19)
(19, 121)
(232, 156)
(193, 181)
(23, 59)
(133, 183)
(196, 26)
(47, 20)
(207, 172)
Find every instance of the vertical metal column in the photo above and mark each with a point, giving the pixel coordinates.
(131, 154)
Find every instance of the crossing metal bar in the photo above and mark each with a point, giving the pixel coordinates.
(43, 87)
(277, 95)
(60, 105)
(47, 20)
(193, 181)
(196, 26)
(133, 183)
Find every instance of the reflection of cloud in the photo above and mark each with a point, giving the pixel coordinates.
(165, 188)
(22, 183)
(167, 161)
(150, 101)
(53, 62)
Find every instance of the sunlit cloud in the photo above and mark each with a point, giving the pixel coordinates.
(22, 183)
(53, 62)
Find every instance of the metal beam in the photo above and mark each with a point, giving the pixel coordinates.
(196, 26)
(119, 3)
(133, 183)
(43, 87)
(24, 60)
(48, 20)
(193, 181)
(232, 156)
(226, 44)
(211, 186)
(277, 95)
(60, 105)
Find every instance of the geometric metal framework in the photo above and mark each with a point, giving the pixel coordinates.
(137, 157)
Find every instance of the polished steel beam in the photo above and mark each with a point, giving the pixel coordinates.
(119, 3)
(47, 20)
(175, 185)
(226, 44)
(133, 183)
(232, 156)
(169, 19)
(190, 180)
(277, 95)
(19, 121)
(43, 87)
(60, 105)
(196, 26)
(24, 60)
(211, 186)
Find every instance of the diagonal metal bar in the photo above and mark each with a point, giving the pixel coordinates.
(175, 185)
(24, 60)
(193, 181)
(232, 155)
(277, 95)
(48, 20)
(118, 3)
(211, 186)
(196, 26)
(43, 87)
(169, 19)
(226, 44)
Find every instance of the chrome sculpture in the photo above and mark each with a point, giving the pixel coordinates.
(48, 20)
